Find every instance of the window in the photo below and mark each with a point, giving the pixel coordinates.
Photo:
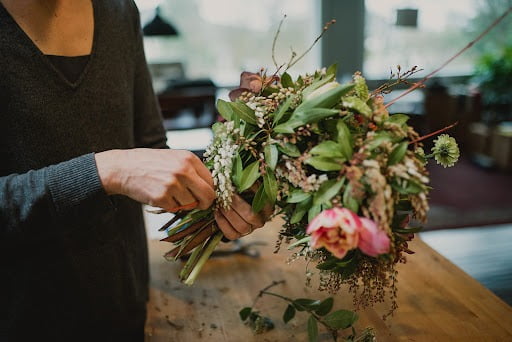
(443, 28)
(219, 39)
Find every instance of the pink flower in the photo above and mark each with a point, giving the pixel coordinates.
(340, 230)
(372, 240)
(336, 229)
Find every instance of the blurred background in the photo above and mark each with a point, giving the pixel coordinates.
(196, 50)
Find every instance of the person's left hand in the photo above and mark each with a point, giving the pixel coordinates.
(240, 220)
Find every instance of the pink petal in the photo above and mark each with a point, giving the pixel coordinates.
(372, 240)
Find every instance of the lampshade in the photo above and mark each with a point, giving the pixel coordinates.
(159, 27)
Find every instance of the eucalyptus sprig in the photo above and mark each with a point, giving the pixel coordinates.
(320, 312)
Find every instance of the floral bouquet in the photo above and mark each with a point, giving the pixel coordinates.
(345, 174)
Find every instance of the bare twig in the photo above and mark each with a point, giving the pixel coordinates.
(275, 40)
(483, 34)
(434, 133)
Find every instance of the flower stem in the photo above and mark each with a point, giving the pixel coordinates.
(206, 251)
(434, 133)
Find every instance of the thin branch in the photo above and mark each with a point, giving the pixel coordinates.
(275, 41)
(262, 291)
(434, 133)
(483, 34)
(325, 28)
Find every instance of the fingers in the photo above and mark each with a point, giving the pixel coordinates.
(200, 190)
(225, 226)
(244, 210)
(201, 170)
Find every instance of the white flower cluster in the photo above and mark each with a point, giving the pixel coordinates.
(260, 109)
(222, 152)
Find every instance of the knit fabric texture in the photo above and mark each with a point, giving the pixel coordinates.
(73, 260)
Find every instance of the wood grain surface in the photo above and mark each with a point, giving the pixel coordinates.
(437, 300)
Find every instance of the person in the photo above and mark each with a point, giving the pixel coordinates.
(82, 143)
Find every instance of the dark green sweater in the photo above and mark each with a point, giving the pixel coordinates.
(73, 260)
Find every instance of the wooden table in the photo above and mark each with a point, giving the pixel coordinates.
(437, 300)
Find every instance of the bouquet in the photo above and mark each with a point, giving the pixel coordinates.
(345, 174)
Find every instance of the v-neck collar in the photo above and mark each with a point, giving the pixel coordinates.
(39, 54)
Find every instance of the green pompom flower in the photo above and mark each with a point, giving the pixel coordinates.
(445, 150)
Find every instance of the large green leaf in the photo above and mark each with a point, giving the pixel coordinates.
(398, 153)
(286, 80)
(270, 183)
(355, 103)
(325, 100)
(271, 155)
(325, 306)
(289, 149)
(300, 210)
(289, 313)
(244, 112)
(345, 139)
(348, 201)
(317, 83)
(302, 118)
(325, 163)
(312, 329)
(314, 211)
(341, 319)
(282, 109)
(250, 174)
(297, 196)
(237, 171)
(225, 109)
(328, 190)
(327, 148)
(260, 199)
(398, 119)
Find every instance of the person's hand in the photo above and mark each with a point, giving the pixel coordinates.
(168, 179)
(240, 220)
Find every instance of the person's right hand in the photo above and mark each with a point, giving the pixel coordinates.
(167, 179)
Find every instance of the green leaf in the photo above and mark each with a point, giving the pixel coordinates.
(345, 139)
(289, 313)
(303, 118)
(225, 109)
(244, 112)
(249, 176)
(398, 119)
(297, 196)
(325, 100)
(237, 171)
(355, 103)
(409, 187)
(302, 304)
(312, 329)
(332, 70)
(244, 313)
(325, 163)
(271, 155)
(317, 83)
(300, 210)
(378, 139)
(328, 190)
(289, 149)
(348, 201)
(282, 109)
(286, 80)
(398, 153)
(314, 211)
(340, 319)
(299, 242)
(327, 148)
(325, 306)
(287, 127)
(270, 184)
(260, 199)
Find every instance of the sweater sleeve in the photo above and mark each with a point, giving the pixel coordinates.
(32, 200)
(148, 125)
